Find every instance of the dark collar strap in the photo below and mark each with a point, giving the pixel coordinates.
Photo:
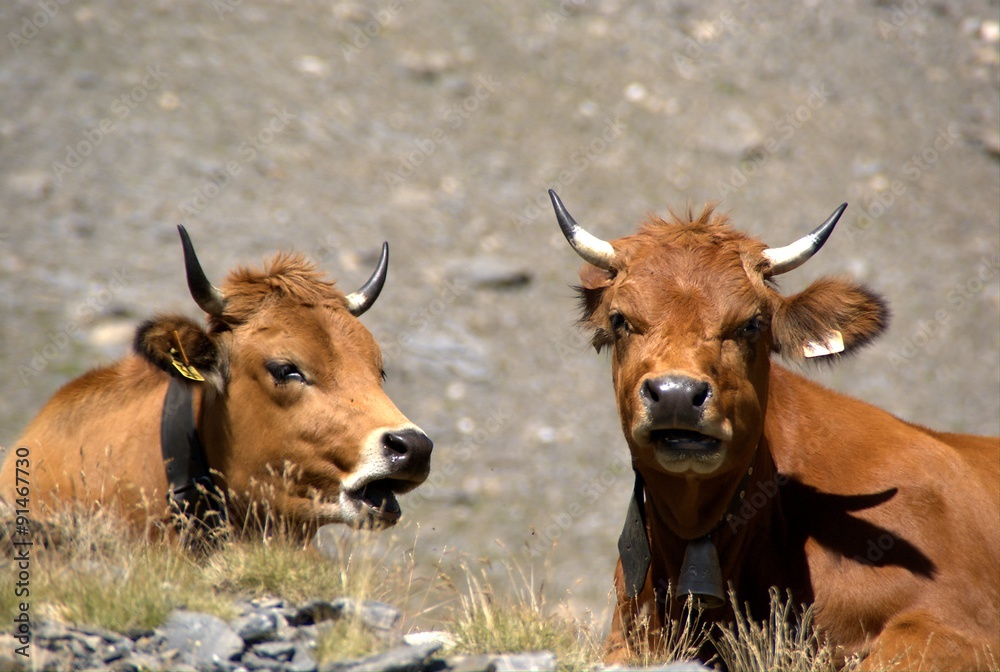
(191, 488)
(633, 544)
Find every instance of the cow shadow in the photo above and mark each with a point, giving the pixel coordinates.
(827, 519)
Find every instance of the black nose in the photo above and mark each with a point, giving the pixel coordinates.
(675, 401)
(410, 453)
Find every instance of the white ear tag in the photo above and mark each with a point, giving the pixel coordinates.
(834, 343)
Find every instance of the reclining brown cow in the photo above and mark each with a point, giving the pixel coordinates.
(751, 475)
(277, 402)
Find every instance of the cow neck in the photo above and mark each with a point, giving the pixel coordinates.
(700, 574)
(190, 488)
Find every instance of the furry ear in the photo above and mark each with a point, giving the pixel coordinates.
(178, 345)
(830, 318)
(593, 282)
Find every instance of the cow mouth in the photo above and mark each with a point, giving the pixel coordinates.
(684, 440)
(379, 500)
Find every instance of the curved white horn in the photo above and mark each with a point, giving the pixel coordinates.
(790, 257)
(360, 301)
(593, 250)
(204, 294)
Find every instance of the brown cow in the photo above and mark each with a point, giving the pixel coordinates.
(892, 530)
(289, 410)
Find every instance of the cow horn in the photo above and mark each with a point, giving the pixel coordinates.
(361, 300)
(594, 250)
(790, 257)
(204, 294)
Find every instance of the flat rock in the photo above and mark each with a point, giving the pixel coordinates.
(375, 615)
(257, 626)
(539, 661)
(302, 661)
(203, 640)
(398, 659)
(282, 651)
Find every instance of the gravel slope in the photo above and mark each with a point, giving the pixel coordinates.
(330, 127)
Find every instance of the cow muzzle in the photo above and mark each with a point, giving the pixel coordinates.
(394, 462)
(676, 420)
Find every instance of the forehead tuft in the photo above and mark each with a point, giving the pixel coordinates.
(703, 245)
(286, 277)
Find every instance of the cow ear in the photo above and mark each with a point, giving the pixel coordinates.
(593, 283)
(178, 345)
(830, 318)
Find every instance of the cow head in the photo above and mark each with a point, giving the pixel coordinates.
(293, 409)
(691, 315)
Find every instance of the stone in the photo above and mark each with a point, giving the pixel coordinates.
(257, 626)
(489, 272)
(379, 615)
(446, 639)
(115, 651)
(482, 662)
(539, 661)
(203, 640)
(398, 659)
(302, 661)
(252, 661)
(315, 611)
(282, 651)
(138, 662)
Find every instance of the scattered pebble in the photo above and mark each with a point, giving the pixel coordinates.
(489, 272)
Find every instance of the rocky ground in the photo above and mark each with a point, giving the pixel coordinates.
(329, 127)
(268, 636)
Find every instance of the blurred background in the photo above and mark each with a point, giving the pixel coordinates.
(328, 127)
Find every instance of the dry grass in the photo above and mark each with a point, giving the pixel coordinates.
(518, 620)
(88, 568)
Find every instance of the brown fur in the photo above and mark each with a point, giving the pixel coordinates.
(287, 444)
(890, 529)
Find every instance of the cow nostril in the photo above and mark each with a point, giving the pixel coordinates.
(395, 443)
(649, 391)
(700, 394)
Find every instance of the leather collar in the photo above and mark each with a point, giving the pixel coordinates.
(633, 544)
(191, 490)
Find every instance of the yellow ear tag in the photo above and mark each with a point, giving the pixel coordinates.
(188, 371)
(185, 368)
(834, 344)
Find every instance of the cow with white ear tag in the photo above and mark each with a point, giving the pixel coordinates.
(751, 477)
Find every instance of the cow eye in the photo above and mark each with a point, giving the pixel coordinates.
(751, 330)
(619, 324)
(285, 372)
